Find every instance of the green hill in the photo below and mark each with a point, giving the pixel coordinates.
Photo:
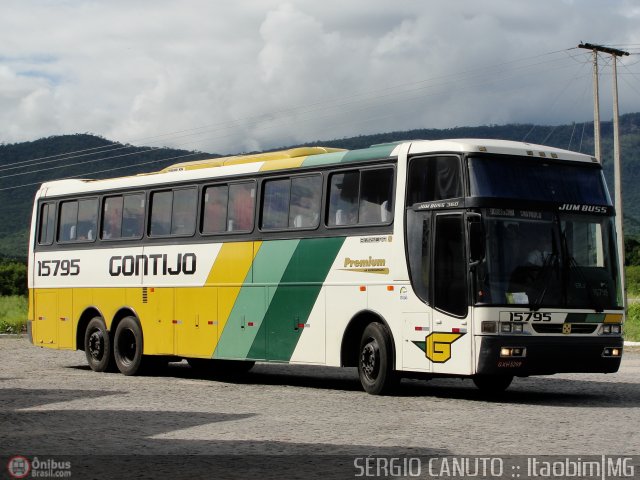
(577, 137)
(97, 157)
(24, 166)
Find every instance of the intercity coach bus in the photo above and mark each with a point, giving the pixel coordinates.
(471, 258)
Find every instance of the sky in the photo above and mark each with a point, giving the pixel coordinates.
(230, 76)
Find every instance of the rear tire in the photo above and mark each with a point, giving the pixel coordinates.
(492, 384)
(97, 346)
(375, 364)
(128, 346)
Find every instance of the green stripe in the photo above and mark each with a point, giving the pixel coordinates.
(323, 159)
(372, 153)
(295, 297)
(238, 336)
(584, 318)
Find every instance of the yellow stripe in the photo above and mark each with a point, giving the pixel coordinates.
(230, 269)
(613, 318)
(282, 164)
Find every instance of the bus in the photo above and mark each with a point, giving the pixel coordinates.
(482, 259)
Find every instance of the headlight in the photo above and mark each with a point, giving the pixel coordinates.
(489, 327)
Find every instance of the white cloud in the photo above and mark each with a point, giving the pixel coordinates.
(256, 74)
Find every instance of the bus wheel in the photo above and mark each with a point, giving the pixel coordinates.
(374, 361)
(127, 346)
(97, 346)
(493, 383)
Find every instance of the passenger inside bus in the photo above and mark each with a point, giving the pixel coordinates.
(215, 210)
(241, 199)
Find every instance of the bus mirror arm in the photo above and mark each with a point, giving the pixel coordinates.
(476, 239)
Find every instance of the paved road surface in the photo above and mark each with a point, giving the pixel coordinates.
(51, 404)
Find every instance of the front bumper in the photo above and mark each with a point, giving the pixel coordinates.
(547, 355)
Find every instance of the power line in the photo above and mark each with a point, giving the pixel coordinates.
(414, 88)
(335, 103)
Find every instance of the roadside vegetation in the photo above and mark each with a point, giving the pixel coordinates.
(632, 327)
(13, 314)
(13, 296)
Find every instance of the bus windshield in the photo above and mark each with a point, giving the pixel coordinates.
(528, 179)
(545, 259)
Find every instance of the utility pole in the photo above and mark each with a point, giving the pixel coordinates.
(617, 162)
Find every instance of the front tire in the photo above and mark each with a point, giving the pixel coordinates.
(97, 346)
(375, 367)
(128, 346)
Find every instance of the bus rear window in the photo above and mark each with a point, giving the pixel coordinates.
(47, 223)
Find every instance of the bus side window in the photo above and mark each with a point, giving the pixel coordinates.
(241, 206)
(68, 221)
(87, 219)
(183, 216)
(376, 196)
(343, 199)
(304, 210)
(112, 218)
(214, 217)
(275, 204)
(46, 226)
(133, 215)
(362, 198)
(174, 212)
(418, 247)
(434, 178)
(161, 204)
(450, 265)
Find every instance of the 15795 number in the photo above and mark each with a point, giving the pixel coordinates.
(529, 316)
(55, 268)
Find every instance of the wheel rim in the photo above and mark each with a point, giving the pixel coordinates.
(370, 360)
(96, 345)
(127, 347)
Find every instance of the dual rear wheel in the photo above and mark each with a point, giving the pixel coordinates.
(126, 352)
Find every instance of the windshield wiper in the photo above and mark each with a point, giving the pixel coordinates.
(544, 276)
(572, 265)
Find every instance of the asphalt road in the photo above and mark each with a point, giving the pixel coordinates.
(52, 405)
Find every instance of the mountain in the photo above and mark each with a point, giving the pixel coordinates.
(577, 137)
(23, 166)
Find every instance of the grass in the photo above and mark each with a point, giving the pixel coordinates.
(13, 314)
(632, 325)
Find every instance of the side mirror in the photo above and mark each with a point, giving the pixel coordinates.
(476, 239)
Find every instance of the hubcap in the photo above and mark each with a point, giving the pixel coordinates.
(370, 360)
(96, 345)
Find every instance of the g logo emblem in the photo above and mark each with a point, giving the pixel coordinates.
(437, 346)
(566, 328)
